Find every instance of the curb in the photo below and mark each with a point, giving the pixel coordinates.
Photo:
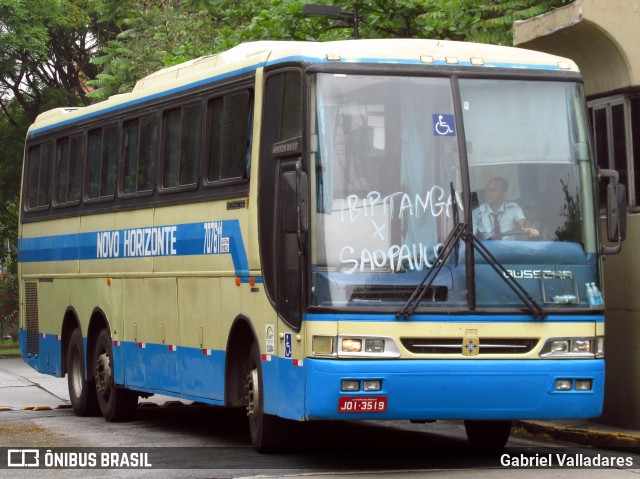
(589, 435)
(34, 408)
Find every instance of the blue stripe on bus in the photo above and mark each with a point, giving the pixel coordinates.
(254, 67)
(212, 237)
(457, 318)
(417, 61)
(171, 369)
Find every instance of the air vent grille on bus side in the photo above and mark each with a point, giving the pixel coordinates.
(31, 318)
(384, 293)
(454, 345)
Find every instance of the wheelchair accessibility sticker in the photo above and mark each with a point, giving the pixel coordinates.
(444, 125)
(287, 345)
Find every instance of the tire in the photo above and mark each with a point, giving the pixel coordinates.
(491, 434)
(264, 428)
(116, 403)
(82, 392)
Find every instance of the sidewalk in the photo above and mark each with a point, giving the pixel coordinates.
(585, 433)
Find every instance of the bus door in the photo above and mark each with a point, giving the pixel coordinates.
(282, 203)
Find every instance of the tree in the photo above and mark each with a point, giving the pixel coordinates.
(8, 303)
(498, 16)
(152, 35)
(161, 33)
(47, 47)
(46, 51)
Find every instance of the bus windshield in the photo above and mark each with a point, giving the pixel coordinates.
(389, 189)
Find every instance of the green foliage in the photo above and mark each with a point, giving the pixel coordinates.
(46, 46)
(498, 17)
(8, 303)
(152, 37)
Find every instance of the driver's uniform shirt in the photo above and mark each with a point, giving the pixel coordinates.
(508, 216)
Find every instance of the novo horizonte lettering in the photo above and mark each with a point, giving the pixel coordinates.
(137, 242)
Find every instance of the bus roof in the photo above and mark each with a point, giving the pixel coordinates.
(250, 56)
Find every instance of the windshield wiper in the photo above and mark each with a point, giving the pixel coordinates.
(449, 246)
(461, 232)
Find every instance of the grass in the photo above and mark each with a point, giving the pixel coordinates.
(9, 348)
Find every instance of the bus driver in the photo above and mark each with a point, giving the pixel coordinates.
(497, 218)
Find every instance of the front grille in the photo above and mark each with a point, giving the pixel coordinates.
(31, 318)
(454, 345)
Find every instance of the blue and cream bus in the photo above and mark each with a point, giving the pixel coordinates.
(293, 228)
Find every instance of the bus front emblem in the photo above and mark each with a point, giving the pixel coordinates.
(471, 346)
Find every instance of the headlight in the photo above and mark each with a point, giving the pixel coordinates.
(351, 345)
(559, 346)
(571, 348)
(374, 345)
(371, 385)
(355, 346)
(581, 345)
(350, 385)
(367, 347)
(323, 345)
(600, 347)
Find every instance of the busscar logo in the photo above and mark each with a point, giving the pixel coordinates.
(471, 346)
(23, 458)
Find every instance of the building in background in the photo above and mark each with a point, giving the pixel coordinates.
(602, 36)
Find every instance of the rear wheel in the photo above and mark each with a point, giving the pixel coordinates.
(82, 391)
(264, 428)
(116, 404)
(493, 434)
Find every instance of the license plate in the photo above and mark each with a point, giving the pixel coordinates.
(362, 404)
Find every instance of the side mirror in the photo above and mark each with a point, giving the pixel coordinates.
(288, 202)
(302, 199)
(616, 212)
(295, 199)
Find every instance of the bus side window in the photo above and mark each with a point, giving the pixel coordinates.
(103, 162)
(182, 139)
(140, 154)
(230, 118)
(70, 165)
(39, 176)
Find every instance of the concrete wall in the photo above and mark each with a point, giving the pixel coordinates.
(601, 36)
(622, 340)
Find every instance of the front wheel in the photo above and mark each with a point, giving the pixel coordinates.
(264, 428)
(116, 404)
(82, 391)
(492, 434)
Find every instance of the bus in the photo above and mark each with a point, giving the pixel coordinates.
(296, 228)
